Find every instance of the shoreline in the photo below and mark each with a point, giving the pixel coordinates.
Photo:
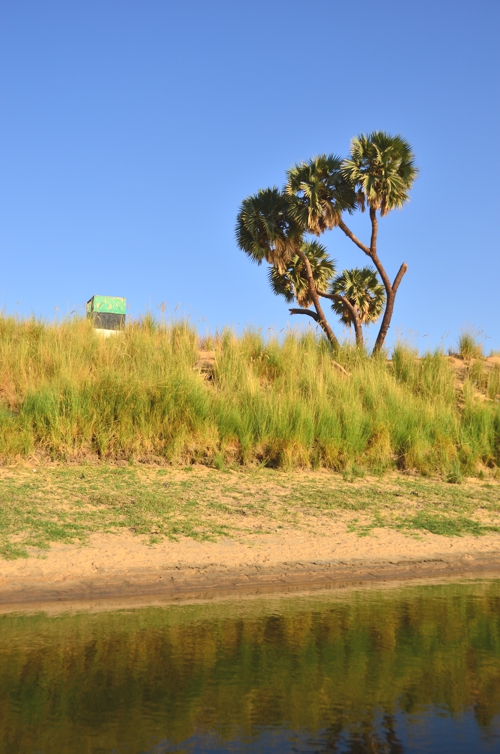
(117, 570)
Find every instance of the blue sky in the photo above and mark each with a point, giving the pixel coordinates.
(131, 131)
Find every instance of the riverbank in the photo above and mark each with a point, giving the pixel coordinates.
(117, 568)
(80, 533)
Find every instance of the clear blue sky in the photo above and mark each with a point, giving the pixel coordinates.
(131, 131)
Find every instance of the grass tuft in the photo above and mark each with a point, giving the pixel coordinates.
(468, 345)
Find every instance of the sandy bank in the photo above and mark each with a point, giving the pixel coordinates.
(121, 566)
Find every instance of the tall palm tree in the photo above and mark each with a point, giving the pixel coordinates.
(271, 226)
(381, 170)
(379, 173)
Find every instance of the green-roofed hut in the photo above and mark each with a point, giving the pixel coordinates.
(107, 312)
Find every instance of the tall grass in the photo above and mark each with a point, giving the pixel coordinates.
(66, 393)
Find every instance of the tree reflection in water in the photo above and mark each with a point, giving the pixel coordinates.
(338, 672)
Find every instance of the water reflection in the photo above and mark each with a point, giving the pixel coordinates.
(408, 670)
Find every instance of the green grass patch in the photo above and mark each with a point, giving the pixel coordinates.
(446, 526)
(66, 504)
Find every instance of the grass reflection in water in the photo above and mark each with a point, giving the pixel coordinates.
(354, 672)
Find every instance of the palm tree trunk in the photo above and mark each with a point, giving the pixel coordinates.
(322, 322)
(390, 290)
(352, 311)
(386, 323)
(389, 308)
(358, 332)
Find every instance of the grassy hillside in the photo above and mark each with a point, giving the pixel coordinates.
(67, 393)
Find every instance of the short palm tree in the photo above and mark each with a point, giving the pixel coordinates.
(362, 289)
(294, 284)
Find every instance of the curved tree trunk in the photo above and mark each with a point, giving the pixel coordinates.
(352, 311)
(322, 321)
(305, 311)
(389, 308)
(390, 290)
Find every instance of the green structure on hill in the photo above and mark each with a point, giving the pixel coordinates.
(107, 312)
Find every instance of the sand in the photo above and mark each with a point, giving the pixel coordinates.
(121, 566)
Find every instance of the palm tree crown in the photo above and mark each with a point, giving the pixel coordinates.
(382, 170)
(266, 228)
(364, 292)
(293, 282)
(320, 193)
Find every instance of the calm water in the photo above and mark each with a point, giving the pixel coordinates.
(415, 669)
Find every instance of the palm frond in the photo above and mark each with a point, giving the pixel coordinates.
(281, 284)
(320, 193)
(266, 228)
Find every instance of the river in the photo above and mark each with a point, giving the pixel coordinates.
(393, 670)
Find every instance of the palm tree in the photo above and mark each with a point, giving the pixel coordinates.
(362, 289)
(271, 226)
(381, 170)
(379, 173)
(268, 228)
